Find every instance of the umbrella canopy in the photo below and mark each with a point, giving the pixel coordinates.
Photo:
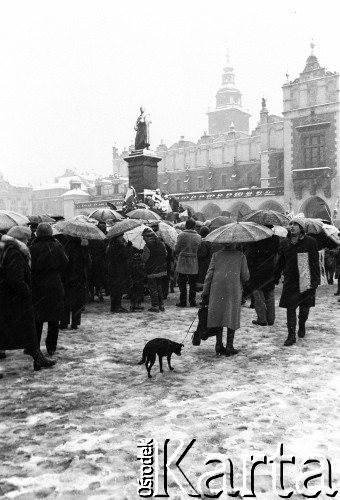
(80, 229)
(280, 231)
(239, 232)
(143, 214)
(135, 236)
(122, 227)
(105, 213)
(219, 221)
(9, 219)
(37, 219)
(313, 226)
(332, 232)
(85, 218)
(169, 234)
(142, 205)
(266, 217)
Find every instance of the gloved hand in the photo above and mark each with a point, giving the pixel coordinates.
(204, 301)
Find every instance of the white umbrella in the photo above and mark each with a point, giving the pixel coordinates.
(332, 232)
(280, 231)
(9, 219)
(168, 233)
(135, 236)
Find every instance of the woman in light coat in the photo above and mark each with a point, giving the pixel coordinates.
(223, 289)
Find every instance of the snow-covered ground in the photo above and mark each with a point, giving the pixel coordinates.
(71, 432)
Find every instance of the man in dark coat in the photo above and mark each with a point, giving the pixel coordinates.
(154, 258)
(186, 248)
(17, 326)
(117, 256)
(75, 281)
(299, 262)
(48, 261)
(261, 259)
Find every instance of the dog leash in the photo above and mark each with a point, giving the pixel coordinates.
(193, 321)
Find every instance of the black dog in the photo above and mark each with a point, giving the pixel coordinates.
(162, 347)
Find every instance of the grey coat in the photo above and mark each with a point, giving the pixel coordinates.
(186, 248)
(223, 284)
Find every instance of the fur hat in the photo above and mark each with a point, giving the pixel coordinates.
(299, 220)
(44, 229)
(20, 232)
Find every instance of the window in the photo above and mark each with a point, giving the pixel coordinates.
(178, 186)
(279, 176)
(224, 180)
(200, 182)
(314, 151)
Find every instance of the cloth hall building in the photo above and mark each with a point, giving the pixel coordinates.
(287, 163)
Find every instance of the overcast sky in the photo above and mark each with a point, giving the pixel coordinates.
(74, 73)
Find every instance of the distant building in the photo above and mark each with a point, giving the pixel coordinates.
(287, 163)
(17, 199)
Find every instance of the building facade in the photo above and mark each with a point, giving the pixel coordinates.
(287, 163)
(16, 199)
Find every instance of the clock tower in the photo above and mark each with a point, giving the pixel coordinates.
(228, 106)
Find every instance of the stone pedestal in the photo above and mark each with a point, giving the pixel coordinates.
(143, 174)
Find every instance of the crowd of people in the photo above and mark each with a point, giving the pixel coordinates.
(49, 280)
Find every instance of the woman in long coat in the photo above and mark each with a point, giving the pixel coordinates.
(223, 288)
(299, 262)
(117, 256)
(17, 326)
(48, 261)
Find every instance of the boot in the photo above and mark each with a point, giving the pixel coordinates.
(291, 339)
(230, 351)
(302, 329)
(303, 316)
(195, 339)
(40, 361)
(219, 347)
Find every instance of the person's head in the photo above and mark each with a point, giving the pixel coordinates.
(147, 234)
(158, 191)
(190, 224)
(44, 229)
(297, 226)
(21, 233)
(204, 231)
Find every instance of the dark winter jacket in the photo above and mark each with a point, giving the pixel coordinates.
(117, 256)
(16, 308)
(48, 261)
(301, 270)
(154, 257)
(97, 249)
(75, 275)
(261, 258)
(204, 257)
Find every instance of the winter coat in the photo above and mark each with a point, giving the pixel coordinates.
(97, 249)
(75, 275)
(16, 307)
(204, 257)
(48, 261)
(301, 270)
(155, 258)
(186, 248)
(117, 256)
(261, 259)
(223, 284)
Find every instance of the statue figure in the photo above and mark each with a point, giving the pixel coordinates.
(264, 103)
(142, 128)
